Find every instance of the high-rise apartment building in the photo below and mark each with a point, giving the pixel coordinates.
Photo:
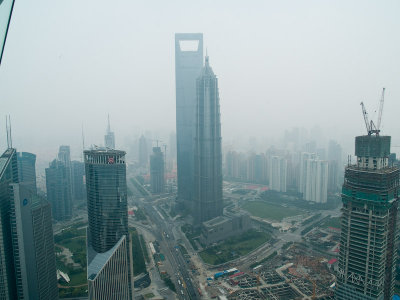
(58, 186)
(304, 157)
(109, 138)
(316, 181)
(27, 170)
(8, 175)
(33, 245)
(277, 174)
(207, 188)
(188, 65)
(370, 196)
(109, 254)
(157, 171)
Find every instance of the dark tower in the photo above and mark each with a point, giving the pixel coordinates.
(108, 241)
(207, 191)
(188, 64)
(370, 195)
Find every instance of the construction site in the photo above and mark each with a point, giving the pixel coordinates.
(299, 273)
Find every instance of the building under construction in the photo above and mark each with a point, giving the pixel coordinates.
(370, 196)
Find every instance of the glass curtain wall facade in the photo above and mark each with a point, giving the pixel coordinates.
(207, 195)
(188, 65)
(107, 213)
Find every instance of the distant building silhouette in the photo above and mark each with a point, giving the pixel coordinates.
(109, 138)
(27, 170)
(370, 196)
(207, 188)
(108, 242)
(143, 152)
(58, 186)
(188, 64)
(157, 171)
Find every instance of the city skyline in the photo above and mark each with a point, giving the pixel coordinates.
(279, 48)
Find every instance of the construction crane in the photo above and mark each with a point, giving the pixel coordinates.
(370, 125)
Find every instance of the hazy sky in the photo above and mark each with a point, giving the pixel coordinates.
(279, 63)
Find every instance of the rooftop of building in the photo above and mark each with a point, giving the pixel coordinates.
(216, 221)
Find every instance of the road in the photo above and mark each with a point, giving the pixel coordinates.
(184, 285)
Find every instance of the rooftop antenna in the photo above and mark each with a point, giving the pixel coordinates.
(108, 127)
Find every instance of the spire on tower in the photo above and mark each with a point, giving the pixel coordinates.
(108, 126)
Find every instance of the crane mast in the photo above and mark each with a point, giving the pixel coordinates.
(370, 125)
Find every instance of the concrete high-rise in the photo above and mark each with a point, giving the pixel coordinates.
(370, 196)
(207, 187)
(304, 157)
(8, 175)
(277, 173)
(188, 65)
(58, 186)
(108, 254)
(157, 171)
(27, 170)
(33, 245)
(316, 189)
(109, 138)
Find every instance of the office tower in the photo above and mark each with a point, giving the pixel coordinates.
(33, 245)
(188, 64)
(27, 170)
(304, 157)
(316, 181)
(109, 262)
(109, 138)
(207, 195)
(78, 174)
(58, 185)
(143, 153)
(370, 196)
(64, 155)
(277, 174)
(8, 175)
(157, 171)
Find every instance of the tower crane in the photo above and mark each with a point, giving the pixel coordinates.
(370, 125)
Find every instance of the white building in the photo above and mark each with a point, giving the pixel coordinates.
(304, 157)
(277, 174)
(316, 181)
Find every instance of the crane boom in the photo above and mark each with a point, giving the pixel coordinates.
(365, 115)
(380, 109)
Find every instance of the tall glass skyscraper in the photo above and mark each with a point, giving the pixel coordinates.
(33, 245)
(109, 138)
(58, 187)
(8, 175)
(27, 170)
(109, 261)
(188, 64)
(370, 195)
(157, 171)
(207, 191)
